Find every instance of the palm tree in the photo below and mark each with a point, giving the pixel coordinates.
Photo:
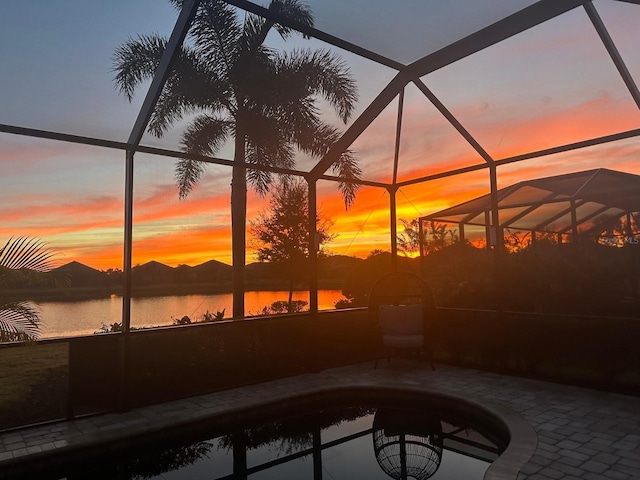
(229, 84)
(21, 259)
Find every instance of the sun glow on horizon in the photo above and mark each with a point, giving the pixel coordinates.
(89, 228)
(549, 86)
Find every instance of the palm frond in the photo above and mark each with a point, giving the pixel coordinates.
(323, 73)
(19, 321)
(169, 109)
(316, 140)
(191, 86)
(266, 146)
(206, 134)
(295, 111)
(255, 31)
(136, 61)
(316, 137)
(256, 27)
(188, 173)
(293, 9)
(26, 253)
(260, 180)
(216, 34)
(24, 260)
(347, 167)
(268, 143)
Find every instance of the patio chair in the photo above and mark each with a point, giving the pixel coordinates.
(401, 306)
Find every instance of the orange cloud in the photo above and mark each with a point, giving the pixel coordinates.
(430, 145)
(594, 118)
(366, 225)
(163, 204)
(621, 155)
(101, 256)
(188, 246)
(90, 228)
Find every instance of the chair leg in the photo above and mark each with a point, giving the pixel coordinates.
(421, 356)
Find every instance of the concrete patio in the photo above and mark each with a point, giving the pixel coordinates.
(564, 432)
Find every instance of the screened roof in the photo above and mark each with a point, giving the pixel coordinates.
(479, 74)
(411, 29)
(595, 196)
(474, 95)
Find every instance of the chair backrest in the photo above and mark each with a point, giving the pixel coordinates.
(401, 319)
(400, 289)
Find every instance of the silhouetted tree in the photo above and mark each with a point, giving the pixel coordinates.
(154, 464)
(409, 239)
(435, 237)
(612, 230)
(237, 87)
(515, 240)
(281, 234)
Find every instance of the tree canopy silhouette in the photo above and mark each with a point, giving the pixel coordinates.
(281, 233)
(434, 237)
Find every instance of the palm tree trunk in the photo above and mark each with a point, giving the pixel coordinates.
(238, 222)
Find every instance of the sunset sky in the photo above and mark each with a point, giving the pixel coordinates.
(549, 86)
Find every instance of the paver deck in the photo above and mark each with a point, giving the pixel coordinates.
(581, 433)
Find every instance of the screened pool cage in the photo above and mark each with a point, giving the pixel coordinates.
(470, 101)
(589, 203)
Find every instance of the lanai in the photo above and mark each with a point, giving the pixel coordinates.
(586, 202)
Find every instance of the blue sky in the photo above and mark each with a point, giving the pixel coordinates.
(56, 59)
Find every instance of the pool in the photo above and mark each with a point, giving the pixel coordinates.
(343, 433)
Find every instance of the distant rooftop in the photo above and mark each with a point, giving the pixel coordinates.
(592, 197)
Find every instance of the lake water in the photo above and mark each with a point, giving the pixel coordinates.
(87, 316)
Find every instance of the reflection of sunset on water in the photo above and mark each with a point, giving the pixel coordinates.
(86, 317)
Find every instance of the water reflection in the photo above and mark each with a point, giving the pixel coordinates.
(331, 443)
(407, 445)
(86, 316)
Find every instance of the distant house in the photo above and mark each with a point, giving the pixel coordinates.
(81, 275)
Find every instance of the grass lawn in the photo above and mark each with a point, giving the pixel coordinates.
(32, 383)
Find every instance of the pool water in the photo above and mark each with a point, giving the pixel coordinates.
(364, 442)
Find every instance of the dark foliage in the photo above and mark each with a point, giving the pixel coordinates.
(587, 278)
(281, 233)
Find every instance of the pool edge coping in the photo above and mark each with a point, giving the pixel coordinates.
(522, 443)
